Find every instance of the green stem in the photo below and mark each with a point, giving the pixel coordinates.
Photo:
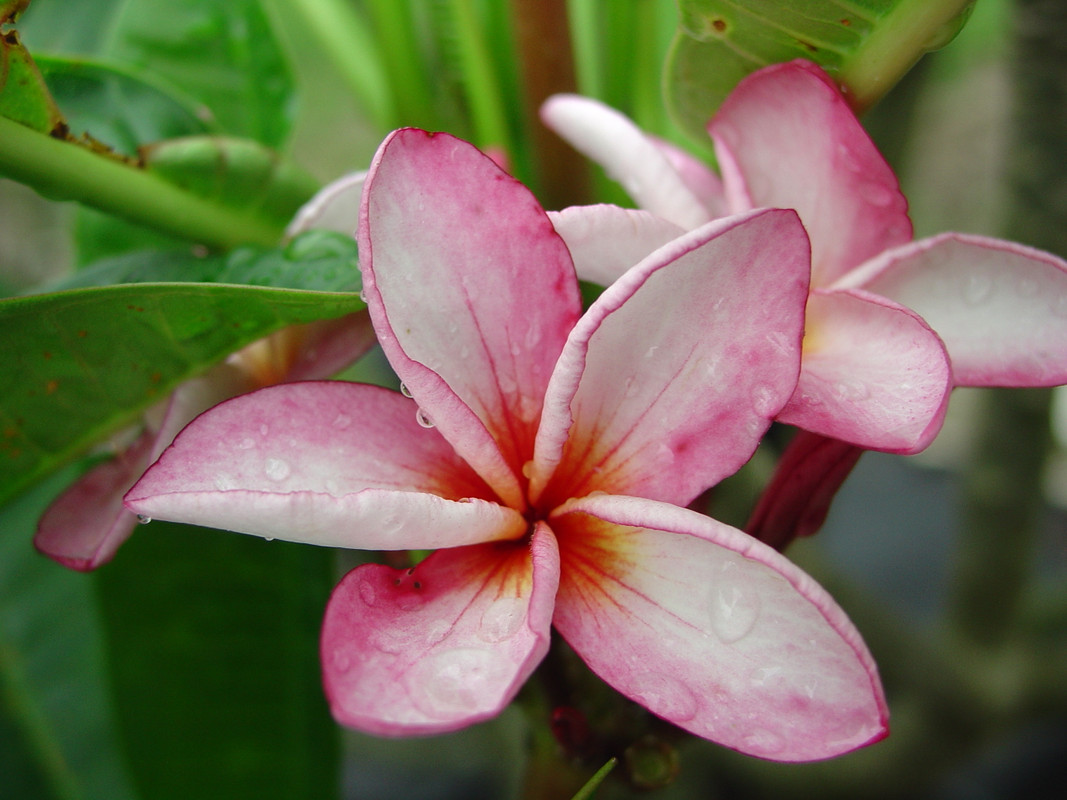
(912, 28)
(480, 80)
(62, 170)
(404, 63)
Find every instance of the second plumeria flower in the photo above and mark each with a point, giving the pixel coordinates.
(546, 457)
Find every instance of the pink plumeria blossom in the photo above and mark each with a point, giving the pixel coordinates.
(874, 371)
(545, 456)
(84, 527)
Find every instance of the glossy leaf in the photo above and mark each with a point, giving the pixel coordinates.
(24, 96)
(58, 738)
(83, 362)
(213, 642)
(866, 45)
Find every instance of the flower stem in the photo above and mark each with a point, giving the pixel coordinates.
(912, 28)
(61, 170)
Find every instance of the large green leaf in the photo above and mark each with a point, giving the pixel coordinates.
(81, 363)
(24, 95)
(213, 639)
(58, 738)
(867, 44)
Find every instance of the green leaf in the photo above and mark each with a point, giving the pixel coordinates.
(867, 45)
(213, 639)
(222, 52)
(117, 107)
(58, 738)
(24, 96)
(84, 362)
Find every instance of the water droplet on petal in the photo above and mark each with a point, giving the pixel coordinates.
(341, 661)
(977, 289)
(528, 469)
(368, 593)
(342, 421)
(246, 444)
(143, 520)
(362, 296)
(852, 390)
(423, 419)
(459, 681)
(734, 607)
(404, 390)
(877, 194)
(764, 401)
(502, 619)
(764, 742)
(268, 538)
(263, 429)
(665, 696)
(276, 469)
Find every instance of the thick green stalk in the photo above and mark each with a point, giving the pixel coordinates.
(64, 171)
(912, 28)
(404, 63)
(483, 91)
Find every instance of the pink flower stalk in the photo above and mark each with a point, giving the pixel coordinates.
(84, 527)
(545, 456)
(874, 372)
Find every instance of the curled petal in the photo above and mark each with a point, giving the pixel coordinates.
(471, 291)
(806, 479)
(607, 240)
(873, 375)
(670, 379)
(335, 207)
(646, 170)
(1000, 307)
(329, 463)
(786, 138)
(440, 646)
(713, 631)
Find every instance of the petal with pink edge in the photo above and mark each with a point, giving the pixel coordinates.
(607, 240)
(331, 463)
(440, 646)
(785, 137)
(335, 207)
(873, 375)
(670, 379)
(1000, 307)
(628, 155)
(472, 293)
(86, 524)
(713, 631)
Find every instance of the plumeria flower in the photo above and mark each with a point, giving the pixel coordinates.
(874, 373)
(545, 456)
(84, 527)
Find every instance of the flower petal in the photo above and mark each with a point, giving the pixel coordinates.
(335, 207)
(670, 379)
(797, 499)
(607, 240)
(713, 631)
(873, 375)
(443, 645)
(86, 524)
(1000, 307)
(326, 347)
(329, 463)
(631, 157)
(785, 137)
(472, 293)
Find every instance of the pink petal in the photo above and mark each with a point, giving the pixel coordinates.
(331, 463)
(668, 382)
(86, 524)
(786, 138)
(472, 293)
(701, 181)
(322, 349)
(629, 156)
(441, 646)
(873, 374)
(335, 207)
(806, 479)
(605, 240)
(713, 631)
(1000, 307)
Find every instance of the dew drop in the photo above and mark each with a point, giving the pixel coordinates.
(877, 194)
(268, 538)
(368, 593)
(528, 469)
(651, 351)
(143, 520)
(764, 742)
(404, 390)
(342, 421)
(276, 469)
(665, 696)
(263, 429)
(734, 608)
(246, 444)
(458, 681)
(977, 289)
(341, 661)
(533, 336)
(852, 391)
(502, 619)
(764, 401)
(423, 419)
(362, 296)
